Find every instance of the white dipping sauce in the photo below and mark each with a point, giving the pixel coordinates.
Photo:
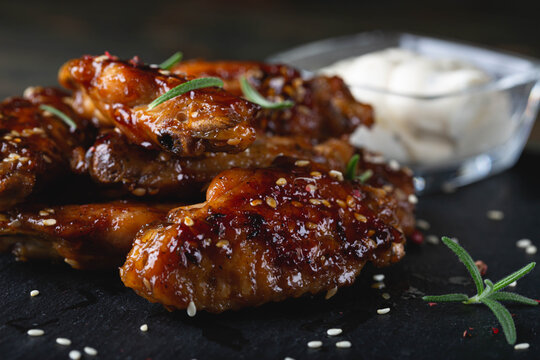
(424, 131)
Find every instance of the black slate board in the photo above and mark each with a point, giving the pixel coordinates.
(95, 309)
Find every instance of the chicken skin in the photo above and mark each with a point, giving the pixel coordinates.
(324, 106)
(85, 236)
(265, 235)
(35, 145)
(119, 93)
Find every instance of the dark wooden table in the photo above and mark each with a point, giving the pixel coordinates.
(95, 309)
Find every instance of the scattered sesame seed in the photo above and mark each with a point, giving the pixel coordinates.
(422, 224)
(147, 284)
(49, 210)
(188, 221)
(343, 344)
(495, 215)
(413, 199)
(315, 174)
(72, 262)
(394, 165)
(164, 72)
(522, 346)
(34, 293)
(232, 142)
(43, 213)
(256, 202)
(311, 187)
(35, 332)
(47, 159)
(378, 277)
(191, 309)
(341, 203)
(330, 293)
(334, 332)
(49, 222)
(144, 328)
(270, 201)
(513, 284)
(350, 201)
(383, 311)
(139, 192)
(315, 344)
(90, 351)
(326, 203)
(296, 204)
(222, 243)
(301, 163)
(360, 217)
(281, 181)
(63, 341)
(378, 285)
(315, 201)
(310, 225)
(523, 243)
(74, 354)
(531, 250)
(432, 239)
(336, 174)
(385, 296)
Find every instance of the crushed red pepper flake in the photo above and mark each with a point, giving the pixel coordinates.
(111, 57)
(432, 303)
(417, 237)
(495, 330)
(482, 267)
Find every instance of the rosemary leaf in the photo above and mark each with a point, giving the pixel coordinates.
(513, 277)
(253, 95)
(363, 177)
(466, 259)
(350, 172)
(510, 296)
(446, 298)
(173, 60)
(186, 87)
(504, 317)
(72, 125)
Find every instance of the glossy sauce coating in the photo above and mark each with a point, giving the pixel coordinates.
(119, 92)
(86, 236)
(324, 106)
(35, 145)
(265, 235)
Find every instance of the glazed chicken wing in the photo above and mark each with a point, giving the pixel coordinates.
(119, 92)
(35, 145)
(85, 236)
(265, 235)
(324, 106)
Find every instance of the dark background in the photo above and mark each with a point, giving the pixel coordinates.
(95, 309)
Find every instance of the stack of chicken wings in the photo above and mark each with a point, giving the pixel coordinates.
(207, 199)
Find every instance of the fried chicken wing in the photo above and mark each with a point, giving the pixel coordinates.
(119, 92)
(86, 236)
(265, 235)
(35, 145)
(324, 106)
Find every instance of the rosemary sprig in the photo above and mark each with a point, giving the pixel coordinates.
(186, 87)
(173, 60)
(72, 125)
(253, 95)
(490, 295)
(351, 172)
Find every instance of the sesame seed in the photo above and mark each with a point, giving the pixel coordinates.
(310, 225)
(301, 163)
(378, 285)
(315, 201)
(394, 165)
(523, 243)
(350, 201)
(34, 293)
(385, 296)
(43, 213)
(383, 311)
(432, 239)
(531, 250)
(336, 174)
(63, 341)
(513, 284)
(378, 277)
(422, 224)
(360, 217)
(47, 159)
(90, 351)
(191, 309)
(326, 203)
(49, 222)
(495, 215)
(330, 293)
(74, 354)
(72, 262)
(144, 328)
(188, 221)
(522, 346)
(49, 210)
(35, 332)
(413, 199)
(334, 332)
(315, 344)
(281, 181)
(222, 243)
(315, 174)
(270, 201)
(341, 203)
(164, 72)
(232, 142)
(139, 192)
(147, 284)
(296, 204)
(343, 344)
(256, 202)
(311, 187)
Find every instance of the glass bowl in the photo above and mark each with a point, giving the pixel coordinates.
(509, 102)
